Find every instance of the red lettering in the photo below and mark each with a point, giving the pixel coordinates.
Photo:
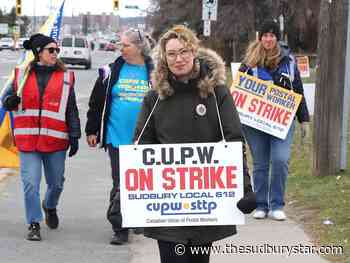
(240, 100)
(273, 113)
(131, 182)
(267, 110)
(286, 118)
(196, 176)
(206, 177)
(170, 181)
(146, 179)
(139, 179)
(234, 95)
(182, 171)
(215, 178)
(231, 176)
(278, 115)
(252, 106)
(262, 104)
(199, 178)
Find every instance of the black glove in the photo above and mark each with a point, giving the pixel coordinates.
(74, 146)
(11, 102)
(282, 80)
(247, 204)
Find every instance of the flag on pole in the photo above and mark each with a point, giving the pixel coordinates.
(8, 151)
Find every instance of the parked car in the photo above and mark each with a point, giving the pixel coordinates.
(101, 42)
(6, 43)
(111, 46)
(75, 50)
(20, 42)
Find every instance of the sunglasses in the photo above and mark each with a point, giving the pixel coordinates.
(138, 31)
(53, 49)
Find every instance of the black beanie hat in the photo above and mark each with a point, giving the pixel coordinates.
(37, 42)
(270, 26)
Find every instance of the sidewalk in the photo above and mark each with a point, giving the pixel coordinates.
(84, 233)
(4, 172)
(85, 229)
(254, 233)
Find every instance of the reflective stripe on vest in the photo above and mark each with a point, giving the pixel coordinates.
(43, 131)
(61, 114)
(41, 125)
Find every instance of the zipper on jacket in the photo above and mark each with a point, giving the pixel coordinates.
(39, 124)
(104, 109)
(40, 105)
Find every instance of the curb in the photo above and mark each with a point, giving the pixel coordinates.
(3, 176)
(5, 172)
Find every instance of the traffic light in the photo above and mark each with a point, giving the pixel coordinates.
(115, 4)
(18, 7)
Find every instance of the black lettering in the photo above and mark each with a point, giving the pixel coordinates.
(204, 154)
(186, 152)
(168, 159)
(147, 158)
(241, 80)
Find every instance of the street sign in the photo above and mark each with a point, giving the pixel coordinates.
(210, 10)
(131, 7)
(206, 28)
(281, 20)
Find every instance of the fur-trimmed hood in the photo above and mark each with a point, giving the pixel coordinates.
(209, 69)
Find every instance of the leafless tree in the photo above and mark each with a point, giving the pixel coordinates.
(238, 20)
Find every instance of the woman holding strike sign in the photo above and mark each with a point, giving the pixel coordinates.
(189, 104)
(269, 60)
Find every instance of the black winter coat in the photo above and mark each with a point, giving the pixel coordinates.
(101, 98)
(175, 120)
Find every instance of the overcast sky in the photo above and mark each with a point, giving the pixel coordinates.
(42, 7)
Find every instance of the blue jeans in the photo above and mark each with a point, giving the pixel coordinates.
(267, 151)
(31, 166)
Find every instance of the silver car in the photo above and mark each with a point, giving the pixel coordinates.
(6, 43)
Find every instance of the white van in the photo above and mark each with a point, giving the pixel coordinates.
(75, 50)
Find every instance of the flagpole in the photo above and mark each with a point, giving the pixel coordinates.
(52, 25)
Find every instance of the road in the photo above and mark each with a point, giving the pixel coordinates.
(84, 233)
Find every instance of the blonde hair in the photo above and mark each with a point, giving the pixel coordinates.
(257, 55)
(184, 35)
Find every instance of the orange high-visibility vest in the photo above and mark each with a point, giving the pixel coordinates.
(40, 124)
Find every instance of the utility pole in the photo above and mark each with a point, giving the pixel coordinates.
(329, 104)
(34, 17)
(344, 137)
